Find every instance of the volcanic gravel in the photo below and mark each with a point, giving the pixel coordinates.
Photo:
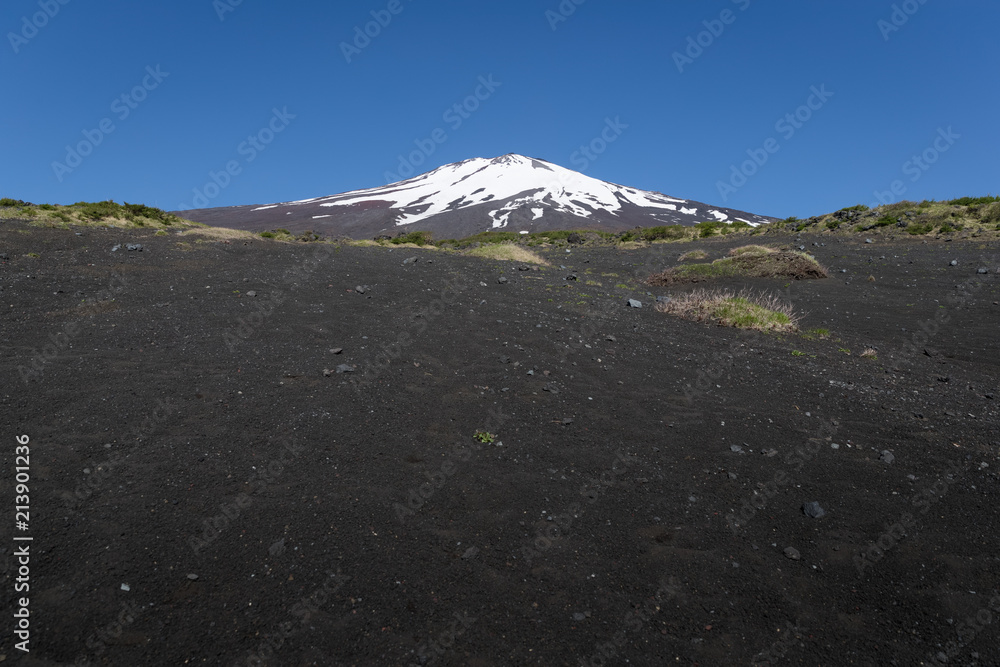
(237, 457)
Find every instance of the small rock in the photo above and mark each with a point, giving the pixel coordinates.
(792, 553)
(577, 616)
(502, 280)
(345, 368)
(634, 304)
(572, 276)
(116, 247)
(611, 339)
(336, 350)
(359, 289)
(954, 262)
(551, 388)
(663, 299)
(982, 271)
(770, 453)
(134, 247)
(886, 456)
(470, 553)
(126, 588)
(869, 241)
(567, 421)
(251, 293)
(193, 577)
(736, 449)
(410, 260)
(813, 510)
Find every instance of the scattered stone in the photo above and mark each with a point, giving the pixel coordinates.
(116, 247)
(524, 268)
(869, 241)
(770, 453)
(792, 553)
(345, 368)
(572, 276)
(551, 388)
(470, 553)
(126, 588)
(4, 256)
(336, 350)
(663, 299)
(134, 247)
(193, 577)
(843, 270)
(737, 449)
(410, 260)
(954, 262)
(634, 304)
(813, 510)
(359, 289)
(886, 456)
(577, 616)
(251, 293)
(982, 271)
(611, 339)
(502, 280)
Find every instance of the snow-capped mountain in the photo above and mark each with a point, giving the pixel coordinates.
(508, 193)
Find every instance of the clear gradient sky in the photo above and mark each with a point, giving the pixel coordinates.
(155, 98)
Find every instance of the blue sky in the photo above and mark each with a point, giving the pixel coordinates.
(271, 92)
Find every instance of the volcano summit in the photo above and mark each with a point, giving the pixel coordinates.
(507, 193)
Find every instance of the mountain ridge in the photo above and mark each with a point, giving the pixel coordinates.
(511, 192)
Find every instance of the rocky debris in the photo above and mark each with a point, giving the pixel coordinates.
(634, 304)
(792, 553)
(572, 276)
(551, 388)
(982, 271)
(663, 299)
(359, 289)
(502, 280)
(611, 339)
(336, 350)
(410, 260)
(869, 241)
(251, 293)
(342, 368)
(954, 262)
(813, 510)
(567, 421)
(886, 456)
(737, 449)
(770, 453)
(470, 553)
(524, 268)
(116, 247)
(193, 577)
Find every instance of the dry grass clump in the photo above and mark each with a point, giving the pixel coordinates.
(752, 261)
(507, 251)
(744, 310)
(693, 254)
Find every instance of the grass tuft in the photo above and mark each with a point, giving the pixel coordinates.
(745, 310)
(507, 251)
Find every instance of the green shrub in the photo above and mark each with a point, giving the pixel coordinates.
(886, 221)
(860, 208)
(47, 207)
(268, 235)
(832, 224)
(972, 201)
(7, 201)
(669, 232)
(418, 238)
(282, 230)
(919, 229)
